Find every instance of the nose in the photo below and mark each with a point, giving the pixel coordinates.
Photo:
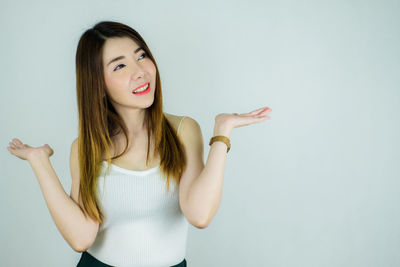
(137, 72)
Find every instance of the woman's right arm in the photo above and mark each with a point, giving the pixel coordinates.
(77, 229)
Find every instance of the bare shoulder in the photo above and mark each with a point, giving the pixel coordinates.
(174, 120)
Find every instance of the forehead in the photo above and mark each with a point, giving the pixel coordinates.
(118, 46)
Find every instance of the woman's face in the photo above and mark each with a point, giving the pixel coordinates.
(127, 67)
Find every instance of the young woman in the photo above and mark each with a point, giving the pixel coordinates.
(138, 177)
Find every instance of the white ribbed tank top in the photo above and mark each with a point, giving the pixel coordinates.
(144, 225)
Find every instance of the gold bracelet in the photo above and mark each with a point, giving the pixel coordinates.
(222, 139)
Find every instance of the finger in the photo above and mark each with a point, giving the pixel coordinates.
(254, 119)
(265, 111)
(17, 141)
(12, 145)
(255, 111)
(262, 113)
(262, 117)
(11, 150)
(17, 144)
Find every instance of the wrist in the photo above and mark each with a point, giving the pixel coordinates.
(37, 155)
(222, 139)
(222, 130)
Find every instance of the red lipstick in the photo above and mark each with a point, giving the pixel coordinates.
(143, 92)
(140, 86)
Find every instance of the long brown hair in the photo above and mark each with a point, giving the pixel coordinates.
(99, 122)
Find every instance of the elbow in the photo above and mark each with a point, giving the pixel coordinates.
(80, 248)
(84, 243)
(83, 246)
(76, 249)
(199, 221)
(202, 224)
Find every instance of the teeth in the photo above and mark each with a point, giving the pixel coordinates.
(142, 89)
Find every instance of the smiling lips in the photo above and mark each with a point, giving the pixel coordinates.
(140, 87)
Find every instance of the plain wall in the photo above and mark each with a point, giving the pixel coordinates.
(316, 185)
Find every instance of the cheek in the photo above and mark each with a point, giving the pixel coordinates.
(114, 82)
(153, 70)
(108, 80)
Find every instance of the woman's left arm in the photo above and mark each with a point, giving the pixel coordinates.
(201, 196)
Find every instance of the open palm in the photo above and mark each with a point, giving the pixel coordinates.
(235, 120)
(24, 151)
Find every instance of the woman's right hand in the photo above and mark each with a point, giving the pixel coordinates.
(25, 152)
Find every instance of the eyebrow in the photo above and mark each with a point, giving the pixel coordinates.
(121, 57)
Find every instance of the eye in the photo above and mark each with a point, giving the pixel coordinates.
(116, 68)
(144, 54)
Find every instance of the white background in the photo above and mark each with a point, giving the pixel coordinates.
(316, 185)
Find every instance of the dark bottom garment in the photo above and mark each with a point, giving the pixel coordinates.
(88, 260)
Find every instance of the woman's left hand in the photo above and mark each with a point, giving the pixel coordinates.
(226, 122)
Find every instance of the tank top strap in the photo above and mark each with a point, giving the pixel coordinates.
(179, 126)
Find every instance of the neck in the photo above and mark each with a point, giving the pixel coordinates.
(134, 121)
